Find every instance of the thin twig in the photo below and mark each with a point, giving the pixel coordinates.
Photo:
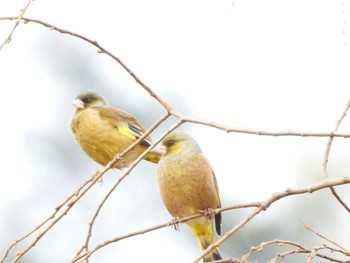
(260, 207)
(87, 254)
(345, 251)
(105, 198)
(100, 50)
(18, 19)
(330, 140)
(326, 155)
(335, 194)
(83, 191)
(270, 201)
(173, 112)
(299, 249)
(50, 217)
(182, 118)
(289, 133)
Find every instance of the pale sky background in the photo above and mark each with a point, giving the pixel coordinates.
(267, 65)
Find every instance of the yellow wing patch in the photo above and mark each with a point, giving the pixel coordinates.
(127, 132)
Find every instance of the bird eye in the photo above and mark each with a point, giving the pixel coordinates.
(170, 143)
(87, 100)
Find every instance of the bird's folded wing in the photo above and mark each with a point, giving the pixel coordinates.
(125, 123)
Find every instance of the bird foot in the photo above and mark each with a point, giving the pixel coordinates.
(176, 223)
(208, 212)
(117, 158)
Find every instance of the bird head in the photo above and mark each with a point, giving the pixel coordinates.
(89, 99)
(180, 143)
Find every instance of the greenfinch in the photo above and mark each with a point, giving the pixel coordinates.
(188, 186)
(103, 131)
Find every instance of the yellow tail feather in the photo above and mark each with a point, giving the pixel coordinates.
(153, 156)
(205, 237)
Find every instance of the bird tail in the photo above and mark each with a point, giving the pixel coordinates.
(152, 157)
(155, 155)
(205, 237)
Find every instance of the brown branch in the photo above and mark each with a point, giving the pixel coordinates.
(300, 249)
(82, 190)
(342, 249)
(335, 194)
(105, 198)
(330, 140)
(173, 112)
(182, 118)
(270, 201)
(18, 19)
(87, 254)
(100, 50)
(57, 208)
(326, 155)
(230, 129)
(69, 205)
(260, 207)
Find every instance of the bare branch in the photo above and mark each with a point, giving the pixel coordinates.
(89, 234)
(229, 129)
(57, 209)
(260, 207)
(18, 19)
(82, 190)
(86, 255)
(100, 50)
(329, 143)
(344, 250)
(181, 118)
(299, 249)
(270, 201)
(326, 155)
(173, 112)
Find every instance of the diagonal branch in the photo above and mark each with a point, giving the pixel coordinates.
(299, 249)
(56, 210)
(86, 255)
(259, 207)
(91, 224)
(168, 108)
(330, 140)
(326, 156)
(18, 19)
(275, 197)
(181, 119)
(82, 191)
(343, 249)
(100, 50)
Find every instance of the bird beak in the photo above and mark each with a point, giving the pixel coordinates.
(160, 149)
(78, 104)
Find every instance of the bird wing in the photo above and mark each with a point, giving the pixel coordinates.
(125, 123)
(218, 215)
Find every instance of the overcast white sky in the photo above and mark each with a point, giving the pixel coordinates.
(268, 65)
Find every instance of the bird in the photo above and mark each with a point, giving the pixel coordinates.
(188, 186)
(103, 131)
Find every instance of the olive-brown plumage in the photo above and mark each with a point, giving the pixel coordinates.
(188, 186)
(103, 131)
